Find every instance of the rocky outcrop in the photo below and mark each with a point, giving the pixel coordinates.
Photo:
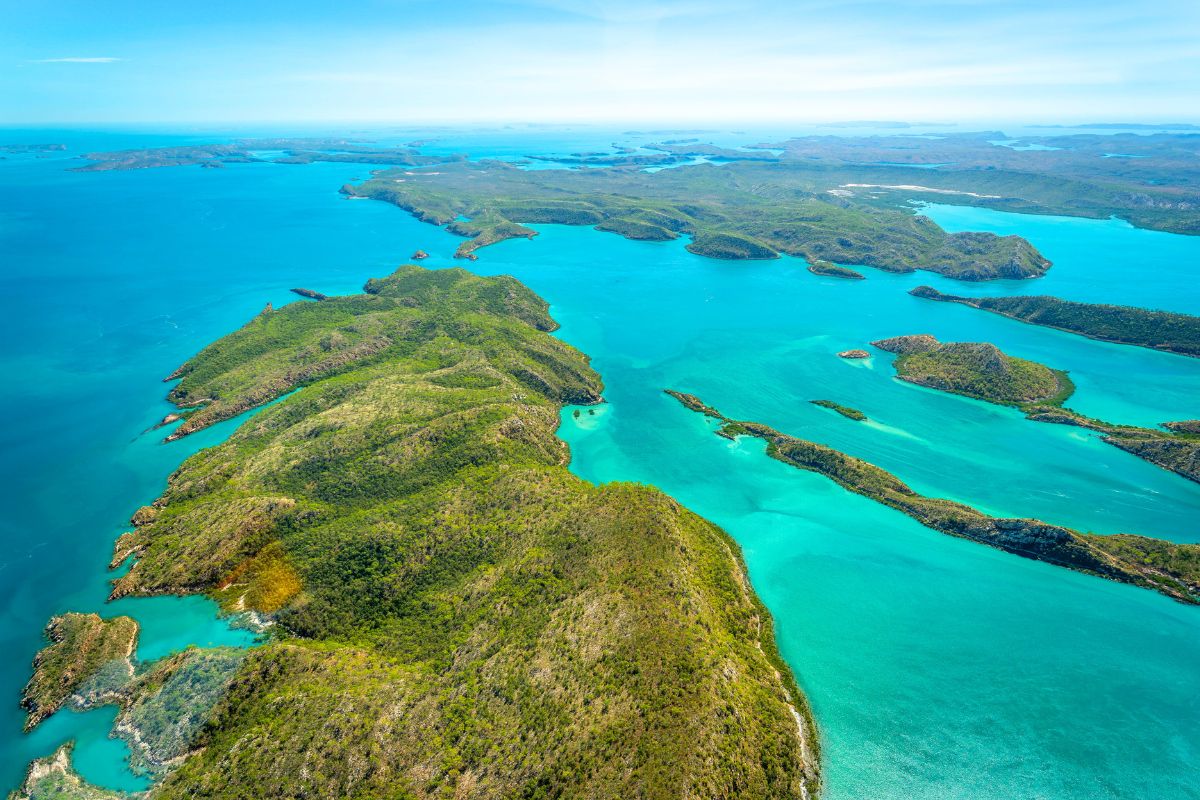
(854, 354)
(420, 254)
(310, 294)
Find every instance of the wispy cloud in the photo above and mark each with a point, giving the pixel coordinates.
(76, 60)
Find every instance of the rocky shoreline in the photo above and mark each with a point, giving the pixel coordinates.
(1169, 568)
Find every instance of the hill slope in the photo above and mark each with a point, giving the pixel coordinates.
(459, 615)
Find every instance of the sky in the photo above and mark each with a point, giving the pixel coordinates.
(568, 61)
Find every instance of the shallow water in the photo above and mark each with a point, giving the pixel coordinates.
(937, 668)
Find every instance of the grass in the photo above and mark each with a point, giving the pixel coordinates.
(1172, 569)
(456, 612)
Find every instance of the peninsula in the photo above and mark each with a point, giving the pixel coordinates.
(743, 210)
(1173, 569)
(407, 521)
(1157, 330)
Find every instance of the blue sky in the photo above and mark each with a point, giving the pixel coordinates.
(609, 60)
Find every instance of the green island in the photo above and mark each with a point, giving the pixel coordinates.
(1158, 330)
(407, 524)
(831, 270)
(743, 210)
(983, 371)
(1172, 569)
(976, 369)
(845, 411)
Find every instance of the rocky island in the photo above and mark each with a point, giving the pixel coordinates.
(976, 369)
(1173, 569)
(845, 411)
(407, 520)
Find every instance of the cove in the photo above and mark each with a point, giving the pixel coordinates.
(937, 668)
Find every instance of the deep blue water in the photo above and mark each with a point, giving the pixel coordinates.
(937, 668)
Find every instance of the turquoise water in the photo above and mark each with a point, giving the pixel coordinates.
(937, 668)
(1095, 261)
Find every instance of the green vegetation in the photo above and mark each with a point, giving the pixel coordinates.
(1158, 330)
(53, 778)
(1173, 569)
(976, 369)
(845, 411)
(1176, 449)
(738, 211)
(164, 711)
(81, 646)
(1159, 189)
(831, 270)
(457, 614)
(982, 371)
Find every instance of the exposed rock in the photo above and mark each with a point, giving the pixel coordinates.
(417, 256)
(854, 354)
(310, 294)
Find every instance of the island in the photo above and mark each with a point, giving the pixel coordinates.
(419, 255)
(845, 411)
(742, 210)
(1157, 330)
(831, 270)
(976, 369)
(1172, 569)
(854, 354)
(405, 518)
(983, 371)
